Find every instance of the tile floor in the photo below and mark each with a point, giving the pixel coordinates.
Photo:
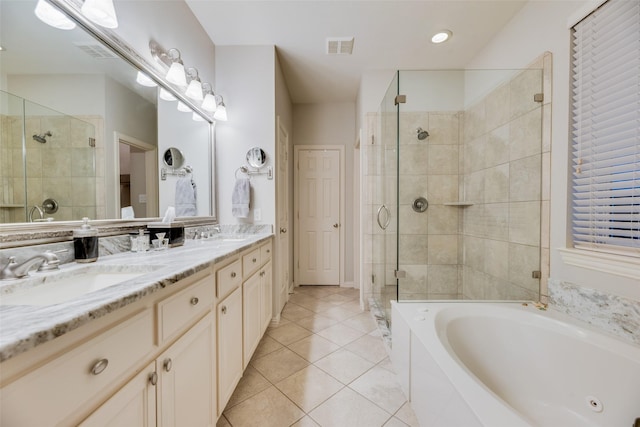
(323, 365)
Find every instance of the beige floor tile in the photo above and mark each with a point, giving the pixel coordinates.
(317, 306)
(340, 334)
(347, 408)
(337, 299)
(394, 422)
(269, 408)
(313, 347)
(267, 345)
(309, 387)
(350, 292)
(363, 322)
(381, 387)
(306, 422)
(344, 365)
(406, 415)
(288, 334)
(353, 305)
(298, 298)
(294, 312)
(222, 422)
(368, 347)
(338, 313)
(279, 365)
(386, 364)
(316, 323)
(281, 323)
(251, 383)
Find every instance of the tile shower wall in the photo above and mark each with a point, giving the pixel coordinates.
(428, 241)
(63, 169)
(503, 157)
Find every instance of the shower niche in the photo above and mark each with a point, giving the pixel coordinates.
(47, 164)
(470, 143)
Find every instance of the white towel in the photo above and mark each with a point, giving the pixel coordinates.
(186, 197)
(240, 198)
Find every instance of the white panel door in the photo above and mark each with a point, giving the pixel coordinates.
(319, 217)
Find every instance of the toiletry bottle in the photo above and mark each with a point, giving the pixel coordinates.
(85, 243)
(143, 241)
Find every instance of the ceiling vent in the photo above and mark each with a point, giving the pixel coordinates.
(340, 45)
(96, 51)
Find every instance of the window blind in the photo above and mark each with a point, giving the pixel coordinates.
(606, 129)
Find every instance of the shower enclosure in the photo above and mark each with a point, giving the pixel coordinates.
(47, 163)
(453, 187)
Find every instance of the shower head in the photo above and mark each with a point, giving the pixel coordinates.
(42, 138)
(422, 134)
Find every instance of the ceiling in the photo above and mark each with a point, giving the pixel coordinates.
(391, 34)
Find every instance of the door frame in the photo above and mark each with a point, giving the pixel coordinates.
(151, 171)
(296, 208)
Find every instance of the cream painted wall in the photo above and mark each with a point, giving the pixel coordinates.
(520, 42)
(249, 94)
(332, 124)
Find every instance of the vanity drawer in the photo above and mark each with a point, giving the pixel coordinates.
(266, 251)
(179, 311)
(250, 262)
(228, 278)
(55, 391)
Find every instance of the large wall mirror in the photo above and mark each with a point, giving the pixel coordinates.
(76, 127)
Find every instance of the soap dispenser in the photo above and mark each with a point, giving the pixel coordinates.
(85, 242)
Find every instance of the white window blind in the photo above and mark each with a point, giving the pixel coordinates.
(606, 129)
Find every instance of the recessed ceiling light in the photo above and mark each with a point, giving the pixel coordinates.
(1, 48)
(441, 36)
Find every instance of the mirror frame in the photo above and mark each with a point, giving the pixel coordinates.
(26, 234)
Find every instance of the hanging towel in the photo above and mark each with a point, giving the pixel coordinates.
(240, 198)
(186, 197)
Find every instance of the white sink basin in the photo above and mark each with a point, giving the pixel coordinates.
(65, 286)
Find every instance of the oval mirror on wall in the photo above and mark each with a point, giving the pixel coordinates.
(256, 157)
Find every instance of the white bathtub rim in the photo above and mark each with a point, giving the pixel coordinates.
(490, 408)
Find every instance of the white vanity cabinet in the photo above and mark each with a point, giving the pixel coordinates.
(229, 318)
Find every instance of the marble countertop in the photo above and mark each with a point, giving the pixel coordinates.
(23, 327)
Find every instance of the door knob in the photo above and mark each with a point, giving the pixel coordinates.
(336, 225)
(283, 230)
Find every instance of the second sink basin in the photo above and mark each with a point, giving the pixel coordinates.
(64, 286)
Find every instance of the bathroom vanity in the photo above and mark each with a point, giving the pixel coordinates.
(164, 343)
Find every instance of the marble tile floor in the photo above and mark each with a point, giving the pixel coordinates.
(324, 364)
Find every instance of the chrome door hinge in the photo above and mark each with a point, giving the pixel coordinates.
(537, 274)
(538, 97)
(400, 99)
(400, 274)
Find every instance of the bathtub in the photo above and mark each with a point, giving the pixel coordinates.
(506, 364)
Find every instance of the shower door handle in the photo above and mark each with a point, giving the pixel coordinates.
(386, 222)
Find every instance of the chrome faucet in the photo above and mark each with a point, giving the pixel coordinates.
(44, 261)
(33, 210)
(217, 228)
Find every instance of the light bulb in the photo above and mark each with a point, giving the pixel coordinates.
(221, 112)
(166, 95)
(183, 107)
(144, 80)
(52, 16)
(209, 103)
(194, 90)
(100, 12)
(176, 74)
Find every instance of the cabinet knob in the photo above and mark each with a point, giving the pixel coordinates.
(99, 366)
(261, 273)
(194, 301)
(283, 230)
(153, 378)
(336, 225)
(254, 260)
(167, 365)
(268, 251)
(224, 309)
(233, 274)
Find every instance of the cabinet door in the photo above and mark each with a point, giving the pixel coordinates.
(252, 322)
(133, 405)
(186, 387)
(267, 296)
(229, 323)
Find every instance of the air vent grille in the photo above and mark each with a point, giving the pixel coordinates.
(95, 51)
(340, 45)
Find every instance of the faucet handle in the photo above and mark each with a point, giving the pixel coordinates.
(52, 262)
